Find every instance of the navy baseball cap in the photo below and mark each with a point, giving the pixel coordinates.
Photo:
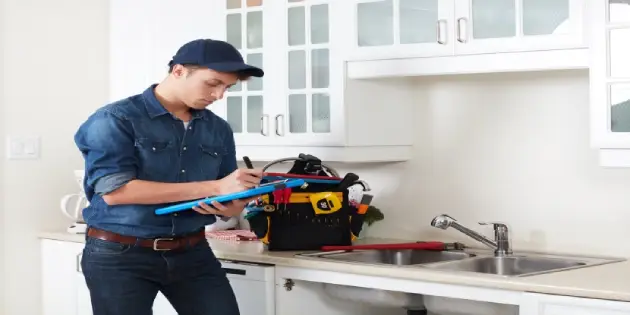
(216, 55)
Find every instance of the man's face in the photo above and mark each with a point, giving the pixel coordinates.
(200, 87)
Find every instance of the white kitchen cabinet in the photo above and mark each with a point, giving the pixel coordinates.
(544, 304)
(63, 287)
(303, 104)
(610, 81)
(60, 262)
(308, 298)
(431, 37)
(431, 28)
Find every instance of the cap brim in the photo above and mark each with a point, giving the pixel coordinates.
(236, 67)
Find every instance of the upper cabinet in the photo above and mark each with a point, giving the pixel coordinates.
(610, 80)
(303, 104)
(468, 36)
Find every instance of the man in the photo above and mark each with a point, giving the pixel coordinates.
(154, 149)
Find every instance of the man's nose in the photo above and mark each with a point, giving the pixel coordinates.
(218, 93)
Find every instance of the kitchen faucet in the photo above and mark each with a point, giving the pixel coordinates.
(501, 244)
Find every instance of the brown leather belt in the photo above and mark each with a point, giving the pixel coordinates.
(160, 244)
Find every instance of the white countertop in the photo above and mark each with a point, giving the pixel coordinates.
(610, 281)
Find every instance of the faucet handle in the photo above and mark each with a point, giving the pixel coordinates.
(496, 225)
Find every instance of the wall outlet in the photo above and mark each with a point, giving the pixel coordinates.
(23, 148)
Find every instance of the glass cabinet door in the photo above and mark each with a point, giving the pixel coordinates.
(513, 25)
(610, 75)
(382, 25)
(618, 77)
(308, 90)
(245, 102)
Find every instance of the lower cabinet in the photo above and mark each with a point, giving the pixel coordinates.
(309, 298)
(63, 287)
(545, 304)
(262, 293)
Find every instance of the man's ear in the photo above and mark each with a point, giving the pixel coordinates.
(178, 71)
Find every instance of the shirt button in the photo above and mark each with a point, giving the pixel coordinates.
(183, 171)
(184, 148)
(153, 148)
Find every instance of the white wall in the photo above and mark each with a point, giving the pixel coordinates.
(55, 74)
(2, 183)
(513, 148)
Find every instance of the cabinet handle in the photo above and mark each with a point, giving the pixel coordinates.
(439, 31)
(278, 125)
(459, 29)
(79, 256)
(263, 131)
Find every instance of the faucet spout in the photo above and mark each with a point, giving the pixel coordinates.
(501, 246)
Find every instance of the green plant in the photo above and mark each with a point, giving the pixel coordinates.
(373, 215)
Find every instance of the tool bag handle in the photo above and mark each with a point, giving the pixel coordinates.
(305, 164)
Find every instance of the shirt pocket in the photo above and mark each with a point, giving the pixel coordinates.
(211, 158)
(157, 159)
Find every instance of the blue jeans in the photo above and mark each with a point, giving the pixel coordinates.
(125, 279)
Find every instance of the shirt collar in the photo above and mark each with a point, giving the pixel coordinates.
(155, 108)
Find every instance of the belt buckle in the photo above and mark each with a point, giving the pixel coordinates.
(157, 240)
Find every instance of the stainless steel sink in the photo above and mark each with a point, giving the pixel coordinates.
(393, 257)
(511, 265)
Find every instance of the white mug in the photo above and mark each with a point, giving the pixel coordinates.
(74, 210)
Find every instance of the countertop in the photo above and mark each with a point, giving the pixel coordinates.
(610, 281)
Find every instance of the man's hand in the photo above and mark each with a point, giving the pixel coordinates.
(239, 180)
(231, 209)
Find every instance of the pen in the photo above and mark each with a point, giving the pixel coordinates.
(248, 162)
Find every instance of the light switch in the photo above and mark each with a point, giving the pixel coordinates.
(21, 148)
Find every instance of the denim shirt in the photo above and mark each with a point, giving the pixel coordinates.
(137, 138)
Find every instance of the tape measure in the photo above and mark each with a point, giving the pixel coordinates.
(325, 202)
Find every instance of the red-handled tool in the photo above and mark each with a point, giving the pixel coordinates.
(301, 176)
(416, 245)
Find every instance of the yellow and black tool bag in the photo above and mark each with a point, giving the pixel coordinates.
(306, 218)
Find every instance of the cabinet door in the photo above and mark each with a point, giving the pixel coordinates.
(309, 298)
(84, 304)
(59, 268)
(543, 304)
(247, 106)
(610, 74)
(401, 28)
(312, 85)
(489, 26)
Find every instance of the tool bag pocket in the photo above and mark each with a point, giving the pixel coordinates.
(307, 218)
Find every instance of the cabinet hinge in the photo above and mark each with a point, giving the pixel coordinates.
(288, 284)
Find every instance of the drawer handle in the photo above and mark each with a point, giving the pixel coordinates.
(234, 271)
(79, 256)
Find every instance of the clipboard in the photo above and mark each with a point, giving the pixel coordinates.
(253, 192)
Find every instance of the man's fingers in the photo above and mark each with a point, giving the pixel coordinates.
(219, 206)
(254, 172)
(204, 211)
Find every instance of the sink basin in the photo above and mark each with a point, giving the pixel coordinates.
(510, 266)
(395, 257)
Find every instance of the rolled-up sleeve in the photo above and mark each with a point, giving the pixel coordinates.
(108, 147)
